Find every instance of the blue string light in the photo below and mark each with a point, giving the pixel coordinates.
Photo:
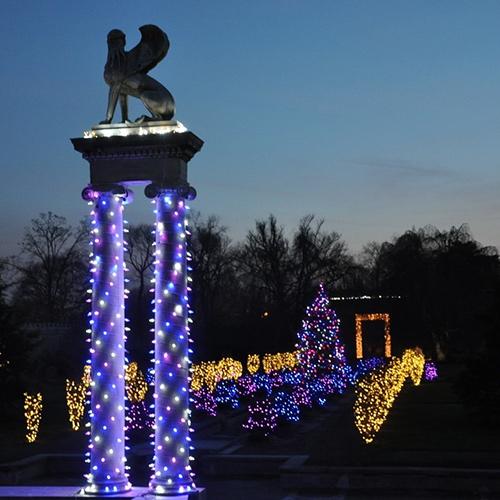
(172, 443)
(107, 328)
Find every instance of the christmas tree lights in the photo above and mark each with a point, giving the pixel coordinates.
(33, 414)
(203, 399)
(135, 383)
(253, 363)
(263, 383)
(430, 371)
(320, 351)
(204, 374)
(76, 393)
(246, 385)
(209, 373)
(413, 364)
(226, 393)
(279, 361)
(138, 416)
(172, 443)
(229, 369)
(137, 388)
(301, 396)
(262, 417)
(376, 393)
(107, 326)
(286, 407)
(364, 366)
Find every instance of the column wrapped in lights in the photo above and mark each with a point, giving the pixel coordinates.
(107, 413)
(172, 470)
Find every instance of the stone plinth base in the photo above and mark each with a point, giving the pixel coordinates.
(58, 492)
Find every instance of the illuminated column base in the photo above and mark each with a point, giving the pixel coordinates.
(107, 415)
(172, 470)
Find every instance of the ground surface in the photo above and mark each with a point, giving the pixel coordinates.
(427, 427)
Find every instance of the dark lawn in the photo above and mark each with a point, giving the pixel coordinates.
(426, 427)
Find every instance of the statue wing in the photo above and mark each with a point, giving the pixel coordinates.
(151, 49)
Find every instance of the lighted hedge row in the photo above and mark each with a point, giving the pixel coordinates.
(209, 373)
(376, 393)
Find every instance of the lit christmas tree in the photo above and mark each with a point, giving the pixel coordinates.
(320, 350)
(262, 416)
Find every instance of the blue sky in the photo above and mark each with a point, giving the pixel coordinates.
(375, 115)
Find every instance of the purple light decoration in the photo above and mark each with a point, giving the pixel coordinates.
(302, 396)
(172, 470)
(204, 400)
(320, 350)
(430, 371)
(107, 326)
(246, 385)
(138, 416)
(262, 416)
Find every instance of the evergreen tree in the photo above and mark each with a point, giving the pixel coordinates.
(320, 351)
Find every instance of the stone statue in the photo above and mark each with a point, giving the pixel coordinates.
(126, 74)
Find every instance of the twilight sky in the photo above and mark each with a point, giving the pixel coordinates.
(375, 115)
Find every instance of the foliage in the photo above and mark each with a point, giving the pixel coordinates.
(448, 281)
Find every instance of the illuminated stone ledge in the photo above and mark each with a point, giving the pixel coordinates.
(127, 129)
(131, 158)
(74, 492)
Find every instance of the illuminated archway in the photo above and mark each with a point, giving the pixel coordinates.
(359, 331)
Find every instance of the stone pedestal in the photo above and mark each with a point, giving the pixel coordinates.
(121, 156)
(156, 153)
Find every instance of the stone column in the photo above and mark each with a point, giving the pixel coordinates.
(156, 154)
(172, 470)
(107, 413)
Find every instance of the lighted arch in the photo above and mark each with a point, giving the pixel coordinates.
(385, 317)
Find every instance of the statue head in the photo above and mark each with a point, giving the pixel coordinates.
(116, 39)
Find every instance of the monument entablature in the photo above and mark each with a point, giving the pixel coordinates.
(157, 153)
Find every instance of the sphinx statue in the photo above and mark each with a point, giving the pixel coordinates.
(126, 74)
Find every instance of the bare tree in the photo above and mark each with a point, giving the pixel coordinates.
(213, 279)
(264, 266)
(316, 255)
(140, 257)
(51, 269)
(369, 259)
